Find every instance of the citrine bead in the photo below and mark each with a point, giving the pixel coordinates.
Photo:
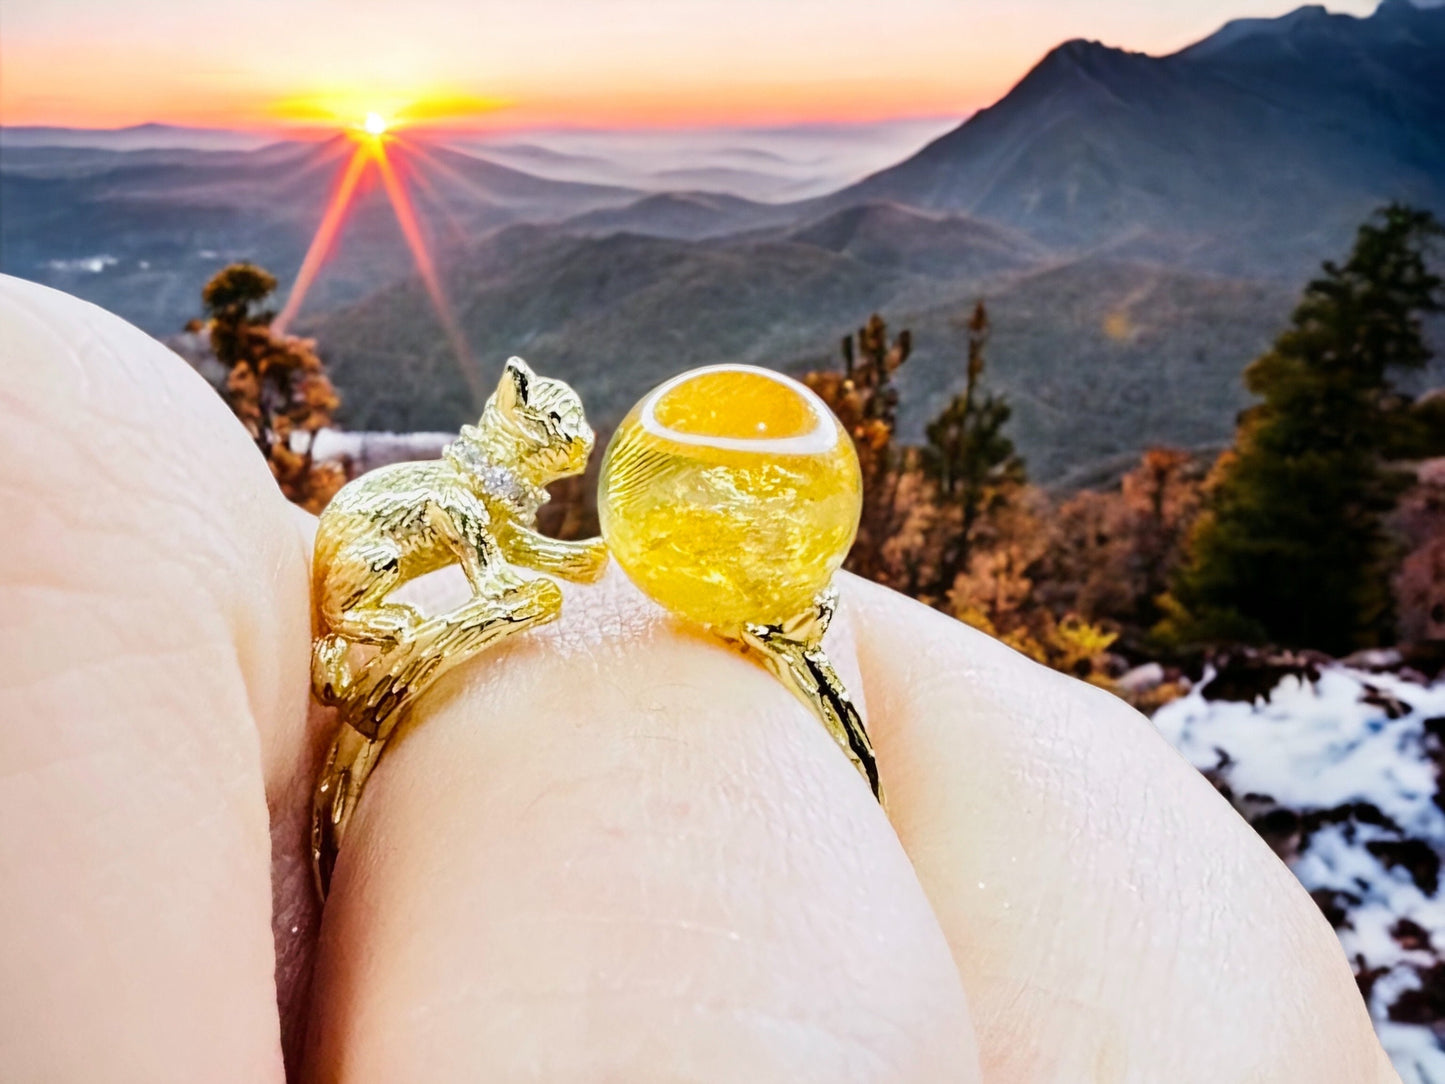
(731, 496)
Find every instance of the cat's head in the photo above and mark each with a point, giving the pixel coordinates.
(535, 426)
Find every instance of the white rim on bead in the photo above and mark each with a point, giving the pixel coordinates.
(822, 438)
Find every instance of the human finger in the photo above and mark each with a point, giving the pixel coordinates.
(155, 636)
(615, 849)
(1112, 917)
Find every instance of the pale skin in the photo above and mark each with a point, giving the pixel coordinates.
(612, 849)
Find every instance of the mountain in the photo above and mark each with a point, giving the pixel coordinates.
(1281, 29)
(775, 164)
(939, 246)
(140, 231)
(457, 181)
(1100, 358)
(683, 215)
(1256, 151)
(136, 137)
(613, 314)
(1139, 226)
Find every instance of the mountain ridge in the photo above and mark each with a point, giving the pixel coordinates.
(1270, 122)
(1100, 357)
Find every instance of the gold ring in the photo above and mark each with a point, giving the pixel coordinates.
(731, 495)
(373, 657)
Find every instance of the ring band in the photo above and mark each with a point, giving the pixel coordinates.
(476, 507)
(381, 695)
(794, 653)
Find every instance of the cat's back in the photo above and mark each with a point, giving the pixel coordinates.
(397, 485)
(380, 502)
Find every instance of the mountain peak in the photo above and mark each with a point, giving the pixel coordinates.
(1087, 49)
(1237, 30)
(1306, 27)
(1083, 46)
(1097, 144)
(1082, 56)
(1393, 9)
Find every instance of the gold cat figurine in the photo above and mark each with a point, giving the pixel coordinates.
(475, 507)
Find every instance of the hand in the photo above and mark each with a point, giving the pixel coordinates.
(613, 849)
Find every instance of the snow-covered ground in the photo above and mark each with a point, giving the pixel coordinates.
(1339, 768)
(367, 451)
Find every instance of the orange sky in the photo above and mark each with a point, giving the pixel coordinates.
(102, 63)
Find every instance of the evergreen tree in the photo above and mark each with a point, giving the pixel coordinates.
(969, 456)
(1291, 549)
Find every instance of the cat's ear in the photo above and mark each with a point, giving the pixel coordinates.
(516, 387)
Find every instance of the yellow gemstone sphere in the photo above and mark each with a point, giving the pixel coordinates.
(731, 495)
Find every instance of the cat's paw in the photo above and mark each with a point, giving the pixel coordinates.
(588, 562)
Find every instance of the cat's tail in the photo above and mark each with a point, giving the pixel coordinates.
(330, 672)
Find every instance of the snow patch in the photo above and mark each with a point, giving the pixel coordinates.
(92, 265)
(1341, 775)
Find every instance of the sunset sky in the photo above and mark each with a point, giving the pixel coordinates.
(100, 63)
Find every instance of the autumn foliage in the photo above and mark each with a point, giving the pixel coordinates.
(275, 383)
(865, 400)
(954, 522)
(1322, 526)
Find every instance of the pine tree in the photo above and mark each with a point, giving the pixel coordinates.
(968, 455)
(1291, 549)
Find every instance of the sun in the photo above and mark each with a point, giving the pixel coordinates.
(375, 124)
